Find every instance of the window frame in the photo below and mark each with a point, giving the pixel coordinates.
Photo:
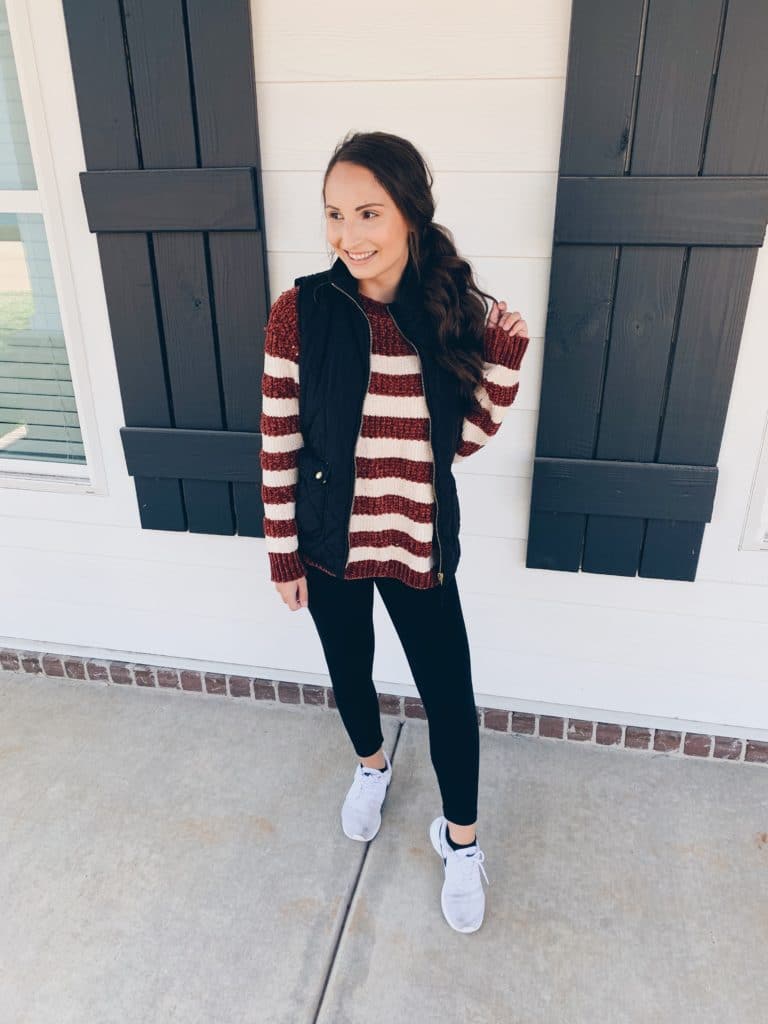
(57, 184)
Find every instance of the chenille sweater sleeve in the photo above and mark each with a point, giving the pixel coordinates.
(496, 392)
(281, 438)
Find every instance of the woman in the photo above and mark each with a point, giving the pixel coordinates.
(379, 374)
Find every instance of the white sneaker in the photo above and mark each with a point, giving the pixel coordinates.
(361, 812)
(462, 897)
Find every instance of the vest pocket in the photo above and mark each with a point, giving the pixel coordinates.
(311, 494)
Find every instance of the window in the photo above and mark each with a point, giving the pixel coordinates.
(38, 418)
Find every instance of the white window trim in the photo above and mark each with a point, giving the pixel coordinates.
(50, 50)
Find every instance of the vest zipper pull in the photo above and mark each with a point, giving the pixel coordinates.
(440, 577)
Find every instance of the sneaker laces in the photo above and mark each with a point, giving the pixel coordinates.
(368, 783)
(465, 865)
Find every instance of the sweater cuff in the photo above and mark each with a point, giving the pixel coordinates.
(505, 349)
(285, 566)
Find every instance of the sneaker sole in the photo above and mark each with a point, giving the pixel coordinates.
(362, 839)
(434, 836)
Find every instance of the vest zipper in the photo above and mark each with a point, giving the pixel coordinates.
(360, 426)
(440, 574)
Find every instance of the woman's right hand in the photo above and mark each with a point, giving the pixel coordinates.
(294, 593)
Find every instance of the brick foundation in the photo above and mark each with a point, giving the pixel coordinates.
(216, 684)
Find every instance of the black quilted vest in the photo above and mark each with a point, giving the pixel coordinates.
(334, 371)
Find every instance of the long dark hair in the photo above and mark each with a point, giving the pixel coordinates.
(452, 299)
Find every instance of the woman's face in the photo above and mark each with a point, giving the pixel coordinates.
(378, 228)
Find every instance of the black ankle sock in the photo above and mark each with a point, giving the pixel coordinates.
(384, 769)
(458, 846)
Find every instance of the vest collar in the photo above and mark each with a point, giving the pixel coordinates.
(408, 291)
(407, 306)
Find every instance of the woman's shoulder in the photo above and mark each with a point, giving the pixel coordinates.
(282, 332)
(285, 303)
(285, 308)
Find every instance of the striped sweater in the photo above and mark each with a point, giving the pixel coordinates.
(391, 529)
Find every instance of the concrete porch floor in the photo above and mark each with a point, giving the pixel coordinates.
(174, 857)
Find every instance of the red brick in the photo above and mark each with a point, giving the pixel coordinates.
(666, 741)
(523, 723)
(757, 750)
(314, 695)
(697, 744)
(144, 675)
(579, 729)
(389, 704)
(637, 738)
(215, 683)
(608, 733)
(168, 677)
(728, 747)
(97, 670)
(496, 719)
(414, 708)
(550, 725)
(263, 689)
(120, 673)
(331, 698)
(191, 681)
(288, 693)
(74, 668)
(31, 663)
(52, 665)
(9, 660)
(240, 686)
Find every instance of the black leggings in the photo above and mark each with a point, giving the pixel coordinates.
(431, 628)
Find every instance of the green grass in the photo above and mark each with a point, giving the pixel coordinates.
(16, 309)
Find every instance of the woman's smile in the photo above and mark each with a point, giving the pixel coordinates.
(361, 257)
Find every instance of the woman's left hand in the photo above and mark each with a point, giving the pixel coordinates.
(512, 322)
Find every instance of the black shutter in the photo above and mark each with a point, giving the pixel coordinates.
(167, 104)
(662, 203)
